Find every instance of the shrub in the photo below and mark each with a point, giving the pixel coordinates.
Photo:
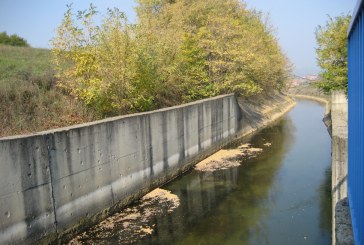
(13, 40)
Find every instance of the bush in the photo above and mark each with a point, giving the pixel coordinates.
(13, 40)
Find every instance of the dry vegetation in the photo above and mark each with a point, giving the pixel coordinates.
(29, 99)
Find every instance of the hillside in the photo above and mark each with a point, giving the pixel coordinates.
(29, 99)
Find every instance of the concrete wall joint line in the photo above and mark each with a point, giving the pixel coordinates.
(50, 148)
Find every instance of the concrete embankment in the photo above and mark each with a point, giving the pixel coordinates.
(341, 223)
(56, 183)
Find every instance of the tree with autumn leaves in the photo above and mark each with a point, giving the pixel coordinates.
(332, 54)
(177, 52)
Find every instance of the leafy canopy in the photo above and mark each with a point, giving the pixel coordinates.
(332, 53)
(179, 51)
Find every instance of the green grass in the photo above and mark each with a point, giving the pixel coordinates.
(29, 98)
(20, 61)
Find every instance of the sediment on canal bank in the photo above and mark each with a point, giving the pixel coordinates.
(80, 175)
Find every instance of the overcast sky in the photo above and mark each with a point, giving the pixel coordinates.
(295, 21)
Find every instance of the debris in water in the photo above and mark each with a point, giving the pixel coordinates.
(161, 195)
(132, 223)
(247, 145)
(267, 144)
(227, 158)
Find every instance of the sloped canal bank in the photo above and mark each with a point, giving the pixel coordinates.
(280, 196)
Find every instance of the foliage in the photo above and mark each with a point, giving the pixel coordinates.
(213, 47)
(332, 53)
(29, 100)
(13, 40)
(179, 51)
(96, 64)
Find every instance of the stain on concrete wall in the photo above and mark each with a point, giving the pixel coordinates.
(26, 203)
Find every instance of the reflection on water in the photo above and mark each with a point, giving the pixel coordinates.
(280, 197)
(325, 201)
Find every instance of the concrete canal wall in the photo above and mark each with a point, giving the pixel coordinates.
(55, 183)
(341, 221)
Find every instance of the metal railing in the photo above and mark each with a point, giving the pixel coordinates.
(356, 122)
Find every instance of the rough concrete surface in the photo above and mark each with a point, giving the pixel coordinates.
(260, 111)
(341, 223)
(56, 183)
(343, 227)
(26, 204)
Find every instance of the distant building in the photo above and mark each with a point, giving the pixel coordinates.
(302, 80)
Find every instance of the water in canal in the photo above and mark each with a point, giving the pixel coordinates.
(280, 197)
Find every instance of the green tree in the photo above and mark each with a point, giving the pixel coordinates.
(179, 51)
(95, 63)
(13, 40)
(213, 47)
(332, 53)
(74, 51)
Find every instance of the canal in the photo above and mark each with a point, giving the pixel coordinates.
(280, 196)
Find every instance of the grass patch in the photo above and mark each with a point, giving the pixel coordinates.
(29, 98)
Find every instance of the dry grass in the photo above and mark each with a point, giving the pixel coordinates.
(29, 99)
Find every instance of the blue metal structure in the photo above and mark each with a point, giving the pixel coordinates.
(356, 122)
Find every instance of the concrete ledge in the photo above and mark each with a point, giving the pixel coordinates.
(310, 97)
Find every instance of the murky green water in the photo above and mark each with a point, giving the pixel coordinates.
(280, 197)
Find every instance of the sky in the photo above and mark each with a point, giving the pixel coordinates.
(295, 21)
